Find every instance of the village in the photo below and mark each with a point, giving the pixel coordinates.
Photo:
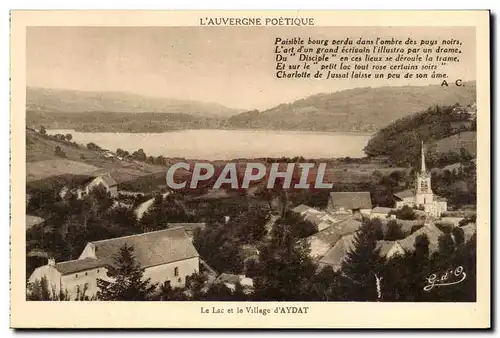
(171, 255)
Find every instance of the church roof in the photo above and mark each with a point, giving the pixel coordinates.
(404, 194)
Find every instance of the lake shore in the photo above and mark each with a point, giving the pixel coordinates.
(228, 144)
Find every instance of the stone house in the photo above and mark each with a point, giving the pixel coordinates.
(166, 255)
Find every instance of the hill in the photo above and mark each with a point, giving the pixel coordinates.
(118, 122)
(42, 163)
(444, 130)
(360, 109)
(466, 140)
(74, 101)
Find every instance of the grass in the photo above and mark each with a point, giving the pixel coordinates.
(44, 169)
(467, 140)
(42, 163)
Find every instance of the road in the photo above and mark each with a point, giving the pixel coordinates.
(144, 206)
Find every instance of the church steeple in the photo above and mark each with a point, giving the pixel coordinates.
(422, 167)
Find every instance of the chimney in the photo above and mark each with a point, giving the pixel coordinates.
(52, 261)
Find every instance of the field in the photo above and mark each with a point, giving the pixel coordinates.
(466, 140)
(42, 162)
(336, 173)
(44, 169)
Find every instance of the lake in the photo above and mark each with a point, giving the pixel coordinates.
(212, 144)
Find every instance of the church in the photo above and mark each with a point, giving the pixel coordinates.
(422, 196)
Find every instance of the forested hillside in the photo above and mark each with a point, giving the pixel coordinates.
(401, 140)
(353, 110)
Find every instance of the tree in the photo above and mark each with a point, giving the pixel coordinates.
(219, 249)
(405, 213)
(127, 281)
(139, 155)
(39, 290)
(43, 131)
(361, 267)
(93, 146)
(394, 231)
(284, 269)
(59, 152)
(68, 137)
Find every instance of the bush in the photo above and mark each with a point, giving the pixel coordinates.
(59, 152)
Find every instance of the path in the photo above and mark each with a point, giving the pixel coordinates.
(144, 206)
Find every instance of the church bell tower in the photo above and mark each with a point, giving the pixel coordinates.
(423, 191)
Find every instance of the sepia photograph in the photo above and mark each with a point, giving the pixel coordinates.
(250, 160)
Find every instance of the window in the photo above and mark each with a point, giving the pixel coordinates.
(97, 270)
(86, 274)
(176, 271)
(86, 286)
(78, 289)
(76, 275)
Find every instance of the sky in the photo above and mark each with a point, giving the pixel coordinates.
(233, 66)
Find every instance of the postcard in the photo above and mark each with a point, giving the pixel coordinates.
(250, 169)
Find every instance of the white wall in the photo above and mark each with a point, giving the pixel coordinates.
(50, 273)
(161, 273)
(89, 277)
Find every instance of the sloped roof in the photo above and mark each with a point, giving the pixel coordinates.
(469, 230)
(404, 194)
(228, 278)
(349, 226)
(351, 200)
(151, 248)
(322, 241)
(188, 226)
(108, 180)
(77, 265)
(300, 208)
(338, 252)
(31, 221)
(433, 233)
(37, 253)
(384, 247)
(381, 210)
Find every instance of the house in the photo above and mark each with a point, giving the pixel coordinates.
(454, 221)
(408, 244)
(104, 180)
(81, 187)
(337, 254)
(324, 240)
(34, 221)
(358, 202)
(381, 212)
(389, 249)
(321, 219)
(422, 196)
(230, 281)
(72, 277)
(469, 231)
(165, 255)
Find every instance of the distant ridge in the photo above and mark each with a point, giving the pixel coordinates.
(354, 110)
(49, 100)
(359, 109)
